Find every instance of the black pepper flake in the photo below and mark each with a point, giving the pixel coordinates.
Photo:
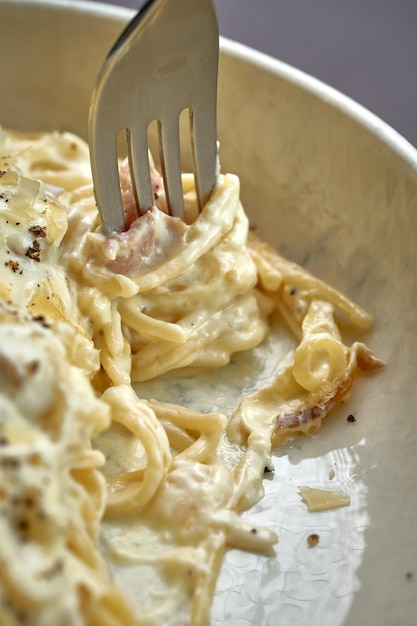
(293, 291)
(37, 231)
(41, 320)
(351, 418)
(22, 525)
(32, 367)
(14, 265)
(313, 540)
(34, 251)
(10, 463)
(29, 502)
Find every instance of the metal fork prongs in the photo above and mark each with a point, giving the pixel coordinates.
(165, 61)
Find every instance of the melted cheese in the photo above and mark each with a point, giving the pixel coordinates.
(323, 499)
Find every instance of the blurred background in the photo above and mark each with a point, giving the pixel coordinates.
(365, 48)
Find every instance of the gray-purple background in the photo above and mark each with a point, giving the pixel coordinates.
(365, 48)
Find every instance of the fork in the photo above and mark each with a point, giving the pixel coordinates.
(165, 61)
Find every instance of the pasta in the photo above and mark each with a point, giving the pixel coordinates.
(117, 508)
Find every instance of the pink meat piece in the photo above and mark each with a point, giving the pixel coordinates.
(128, 196)
(151, 238)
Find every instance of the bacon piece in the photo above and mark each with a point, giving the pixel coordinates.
(128, 196)
(151, 239)
(307, 418)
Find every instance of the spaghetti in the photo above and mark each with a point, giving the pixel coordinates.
(119, 506)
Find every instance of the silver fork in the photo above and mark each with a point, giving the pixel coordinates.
(165, 61)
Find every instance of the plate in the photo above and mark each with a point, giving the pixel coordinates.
(335, 189)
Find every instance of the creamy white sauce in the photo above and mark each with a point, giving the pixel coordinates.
(221, 389)
(126, 542)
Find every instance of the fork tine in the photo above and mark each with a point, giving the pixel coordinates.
(169, 143)
(105, 171)
(137, 147)
(204, 152)
(171, 73)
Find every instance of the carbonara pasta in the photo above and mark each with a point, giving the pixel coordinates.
(117, 507)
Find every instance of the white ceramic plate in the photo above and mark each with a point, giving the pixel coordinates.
(336, 190)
